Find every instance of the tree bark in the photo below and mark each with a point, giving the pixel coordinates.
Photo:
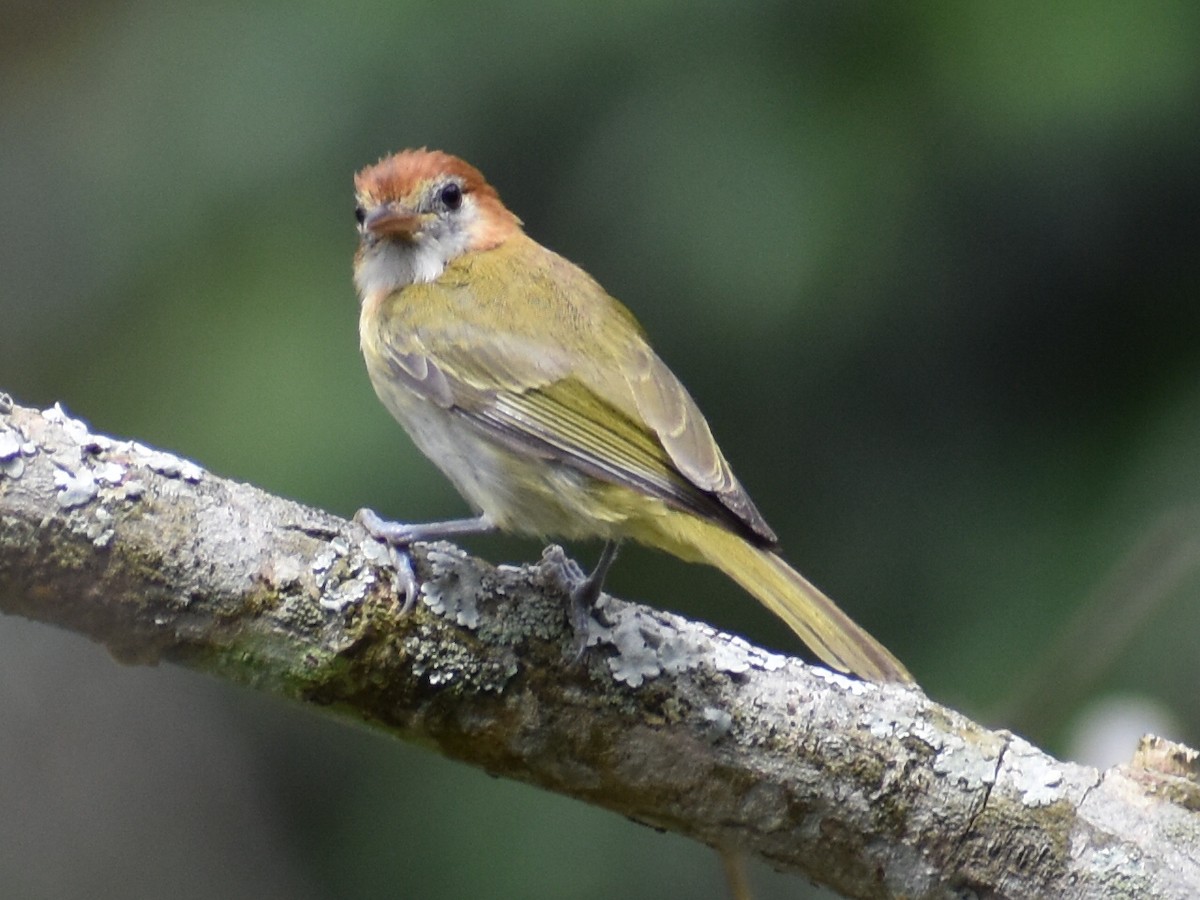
(873, 790)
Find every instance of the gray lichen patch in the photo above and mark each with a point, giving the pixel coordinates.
(844, 682)
(325, 563)
(375, 551)
(349, 592)
(457, 665)
(80, 484)
(324, 560)
(639, 646)
(75, 488)
(120, 453)
(342, 578)
(649, 644)
(736, 655)
(92, 472)
(453, 589)
(1037, 777)
(100, 529)
(167, 464)
(455, 661)
(964, 762)
(483, 598)
(10, 444)
(110, 474)
(12, 463)
(75, 429)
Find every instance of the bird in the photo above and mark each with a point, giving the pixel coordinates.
(540, 398)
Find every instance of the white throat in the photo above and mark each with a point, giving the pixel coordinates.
(389, 266)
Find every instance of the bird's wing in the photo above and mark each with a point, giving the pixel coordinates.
(642, 431)
(558, 419)
(580, 381)
(671, 413)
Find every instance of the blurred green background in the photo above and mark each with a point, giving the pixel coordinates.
(931, 270)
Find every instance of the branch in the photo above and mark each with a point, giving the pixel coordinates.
(875, 791)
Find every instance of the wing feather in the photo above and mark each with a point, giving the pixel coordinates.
(530, 385)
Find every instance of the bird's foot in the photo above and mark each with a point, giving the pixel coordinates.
(399, 536)
(395, 537)
(583, 591)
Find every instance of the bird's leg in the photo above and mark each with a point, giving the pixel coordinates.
(400, 535)
(585, 594)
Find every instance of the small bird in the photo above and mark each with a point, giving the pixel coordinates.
(540, 398)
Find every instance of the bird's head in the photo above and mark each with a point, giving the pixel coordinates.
(417, 211)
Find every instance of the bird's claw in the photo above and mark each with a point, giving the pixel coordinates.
(406, 576)
(395, 536)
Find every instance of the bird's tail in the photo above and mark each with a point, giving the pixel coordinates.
(828, 632)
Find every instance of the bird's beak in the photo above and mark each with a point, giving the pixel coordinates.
(392, 220)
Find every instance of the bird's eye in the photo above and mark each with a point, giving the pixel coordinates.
(360, 215)
(451, 196)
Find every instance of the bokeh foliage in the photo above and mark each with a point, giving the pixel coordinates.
(931, 270)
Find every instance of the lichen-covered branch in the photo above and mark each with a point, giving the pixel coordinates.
(876, 791)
